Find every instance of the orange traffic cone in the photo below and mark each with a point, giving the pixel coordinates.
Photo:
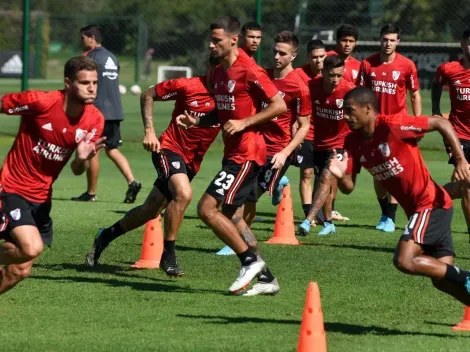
(152, 248)
(284, 229)
(464, 325)
(312, 331)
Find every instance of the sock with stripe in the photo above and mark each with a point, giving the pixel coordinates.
(456, 275)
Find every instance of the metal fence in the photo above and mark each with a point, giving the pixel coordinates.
(178, 30)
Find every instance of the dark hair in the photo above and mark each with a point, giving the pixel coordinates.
(347, 30)
(332, 61)
(92, 31)
(315, 44)
(228, 23)
(287, 37)
(251, 26)
(77, 64)
(466, 34)
(390, 28)
(363, 96)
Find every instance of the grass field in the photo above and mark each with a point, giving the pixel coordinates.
(367, 304)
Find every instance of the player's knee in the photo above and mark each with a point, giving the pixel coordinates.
(204, 211)
(306, 174)
(32, 250)
(150, 210)
(19, 272)
(184, 196)
(403, 264)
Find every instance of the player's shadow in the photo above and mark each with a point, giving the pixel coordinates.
(352, 246)
(219, 319)
(196, 249)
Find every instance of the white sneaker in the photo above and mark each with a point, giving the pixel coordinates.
(247, 273)
(263, 288)
(335, 215)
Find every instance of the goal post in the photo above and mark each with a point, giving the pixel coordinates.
(168, 72)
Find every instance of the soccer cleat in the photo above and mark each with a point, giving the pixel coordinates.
(170, 266)
(467, 285)
(277, 194)
(304, 228)
(85, 197)
(132, 191)
(95, 251)
(247, 273)
(389, 226)
(381, 224)
(335, 215)
(263, 288)
(328, 228)
(226, 251)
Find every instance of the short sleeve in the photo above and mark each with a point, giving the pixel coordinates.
(441, 76)
(26, 103)
(412, 82)
(304, 105)
(260, 84)
(354, 165)
(408, 127)
(169, 90)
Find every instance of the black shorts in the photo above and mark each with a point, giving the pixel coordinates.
(112, 132)
(18, 212)
(268, 179)
(321, 158)
(465, 144)
(234, 183)
(303, 155)
(167, 164)
(431, 228)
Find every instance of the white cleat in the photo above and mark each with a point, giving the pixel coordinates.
(263, 288)
(247, 273)
(336, 215)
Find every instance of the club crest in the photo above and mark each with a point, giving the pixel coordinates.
(16, 214)
(80, 134)
(385, 149)
(339, 103)
(395, 75)
(354, 73)
(176, 164)
(231, 85)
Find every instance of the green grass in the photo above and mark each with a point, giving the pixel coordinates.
(367, 304)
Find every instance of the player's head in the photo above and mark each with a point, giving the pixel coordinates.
(91, 36)
(360, 107)
(465, 43)
(389, 38)
(333, 71)
(224, 32)
(346, 37)
(81, 79)
(285, 48)
(316, 54)
(251, 37)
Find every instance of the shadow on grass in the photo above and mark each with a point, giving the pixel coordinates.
(351, 246)
(197, 249)
(217, 319)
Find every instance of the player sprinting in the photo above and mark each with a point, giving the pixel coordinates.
(176, 156)
(390, 75)
(456, 74)
(239, 88)
(53, 125)
(386, 146)
(331, 129)
(108, 101)
(250, 38)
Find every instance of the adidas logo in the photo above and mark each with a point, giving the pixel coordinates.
(362, 159)
(317, 102)
(372, 74)
(384, 73)
(14, 65)
(47, 126)
(220, 191)
(193, 103)
(110, 65)
(457, 82)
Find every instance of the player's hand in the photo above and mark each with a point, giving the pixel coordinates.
(278, 160)
(185, 120)
(86, 150)
(151, 142)
(233, 126)
(338, 164)
(461, 171)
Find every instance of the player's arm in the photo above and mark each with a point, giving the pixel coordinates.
(147, 99)
(416, 102)
(1, 104)
(85, 151)
(436, 93)
(186, 121)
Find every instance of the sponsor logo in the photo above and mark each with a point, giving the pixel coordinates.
(339, 103)
(411, 128)
(317, 102)
(386, 170)
(64, 130)
(13, 65)
(231, 85)
(194, 103)
(16, 214)
(455, 82)
(110, 75)
(169, 95)
(362, 159)
(18, 109)
(384, 73)
(372, 74)
(207, 104)
(176, 164)
(51, 151)
(80, 134)
(385, 149)
(395, 75)
(47, 126)
(220, 191)
(110, 65)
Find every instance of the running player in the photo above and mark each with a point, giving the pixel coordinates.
(176, 156)
(390, 75)
(53, 125)
(331, 129)
(386, 145)
(250, 37)
(239, 87)
(456, 74)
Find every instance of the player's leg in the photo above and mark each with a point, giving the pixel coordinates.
(92, 173)
(382, 198)
(320, 162)
(304, 160)
(392, 211)
(12, 274)
(335, 214)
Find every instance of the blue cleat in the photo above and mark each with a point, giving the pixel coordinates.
(328, 228)
(226, 251)
(381, 224)
(389, 226)
(277, 194)
(304, 228)
(467, 285)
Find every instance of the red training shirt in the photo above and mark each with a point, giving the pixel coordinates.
(351, 68)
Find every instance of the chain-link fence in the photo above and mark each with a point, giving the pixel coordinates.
(178, 30)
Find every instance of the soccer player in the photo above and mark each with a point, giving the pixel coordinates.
(331, 129)
(456, 74)
(390, 75)
(108, 101)
(239, 88)
(176, 156)
(53, 125)
(346, 39)
(304, 154)
(250, 37)
(386, 145)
